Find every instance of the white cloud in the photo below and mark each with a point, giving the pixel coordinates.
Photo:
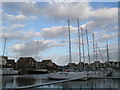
(56, 32)
(30, 48)
(13, 19)
(23, 7)
(105, 14)
(53, 10)
(21, 35)
(12, 27)
(106, 37)
(67, 10)
(102, 18)
(62, 10)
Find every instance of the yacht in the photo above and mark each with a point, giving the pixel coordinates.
(70, 74)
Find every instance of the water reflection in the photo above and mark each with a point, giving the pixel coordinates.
(96, 83)
(23, 81)
(6, 79)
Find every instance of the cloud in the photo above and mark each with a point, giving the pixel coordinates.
(51, 10)
(62, 10)
(67, 10)
(106, 37)
(103, 21)
(105, 14)
(30, 48)
(13, 27)
(13, 19)
(16, 19)
(102, 18)
(25, 8)
(57, 32)
(21, 35)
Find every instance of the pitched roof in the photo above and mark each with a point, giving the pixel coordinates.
(26, 59)
(46, 61)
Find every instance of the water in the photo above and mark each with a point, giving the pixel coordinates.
(24, 80)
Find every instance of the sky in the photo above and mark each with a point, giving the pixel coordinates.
(40, 29)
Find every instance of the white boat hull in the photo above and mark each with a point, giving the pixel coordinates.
(68, 75)
(96, 74)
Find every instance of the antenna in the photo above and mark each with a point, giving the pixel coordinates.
(79, 44)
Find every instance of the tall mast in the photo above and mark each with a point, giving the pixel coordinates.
(107, 53)
(83, 48)
(37, 51)
(100, 53)
(79, 44)
(93, 47)
(4, 46)
(96, 51)
(88, 47)
(37, 56)
(69, 43)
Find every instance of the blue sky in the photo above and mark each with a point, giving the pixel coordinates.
(25, 23)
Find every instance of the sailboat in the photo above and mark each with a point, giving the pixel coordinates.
(95, 72)
(70, 74)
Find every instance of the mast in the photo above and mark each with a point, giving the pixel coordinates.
(93, 47)
(37, 56)
(4, 46)
(69, 43)
(37, 51)
(100, 53)
(96, 51)
(107, 53)
(79, 44)
(83, 48)
(88, 47)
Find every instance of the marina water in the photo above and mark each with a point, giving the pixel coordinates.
(11, 81)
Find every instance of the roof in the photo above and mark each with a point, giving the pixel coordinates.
(26, 59)
(46, 61)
